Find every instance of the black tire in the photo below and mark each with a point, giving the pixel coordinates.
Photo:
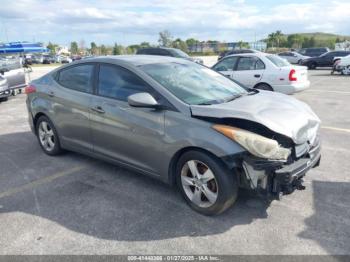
(312, 65)
(4, 99)
(264, 86)
(56, 148)
(226, 183)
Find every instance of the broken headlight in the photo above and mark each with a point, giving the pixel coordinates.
(257, 145)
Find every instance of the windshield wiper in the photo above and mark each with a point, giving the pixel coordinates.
(252, 91)
(204, 104)
(231, 98)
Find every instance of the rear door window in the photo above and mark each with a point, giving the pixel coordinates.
(78, 77)
(250, 63)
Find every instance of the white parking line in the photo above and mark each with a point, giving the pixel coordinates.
(336, 129)
(39, 182)
(328, 91)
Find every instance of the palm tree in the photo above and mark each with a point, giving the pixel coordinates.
(278, 36)
(271, 39)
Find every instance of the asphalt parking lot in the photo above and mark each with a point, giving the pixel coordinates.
(73, 204)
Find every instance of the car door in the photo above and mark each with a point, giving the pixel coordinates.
(249, 70)
(130, 135)
(226, 65)
(327, 59)
(293, 58)
(70, 96)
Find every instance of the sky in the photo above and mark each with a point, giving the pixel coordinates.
(134, 21)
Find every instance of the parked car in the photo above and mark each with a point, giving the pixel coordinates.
(75, 57)
(325, 60)
(293, 57)
(235, 52)
(163, 51)
(5, 91)
(342, 65)
(13, 72)
(177, 121)
(66, 60)
(48, 59)
(264, 71)
(37, 59)
(313, 51)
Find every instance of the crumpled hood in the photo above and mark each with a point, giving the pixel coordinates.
(278, 112)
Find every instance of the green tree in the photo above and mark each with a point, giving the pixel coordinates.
(74, 48)
(103, 50)
(93, 48)
(295, 40)
(242, 45)
(52, 47)
(117, 49)
(178, 43)
(145, 44)
(165, 38)
(191, 42)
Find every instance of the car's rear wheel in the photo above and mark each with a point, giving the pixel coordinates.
(312, 65)
(4, 99)
(264, 87)
(205, 183)
(47, 136)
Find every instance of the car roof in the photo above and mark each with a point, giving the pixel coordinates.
(159, 47)
(258, 54)
(137, 60)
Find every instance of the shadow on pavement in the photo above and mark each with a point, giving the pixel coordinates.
(105, 201)
(329, 226)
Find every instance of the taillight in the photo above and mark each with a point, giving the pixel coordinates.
(292, 76)
(29, 89)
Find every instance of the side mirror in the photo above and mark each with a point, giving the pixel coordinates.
(142, 100)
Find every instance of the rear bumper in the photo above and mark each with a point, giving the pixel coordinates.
(273, 178)
(5, 93)
(292, 87)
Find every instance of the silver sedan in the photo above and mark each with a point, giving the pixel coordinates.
(177, 121)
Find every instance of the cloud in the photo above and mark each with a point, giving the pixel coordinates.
(136, 20)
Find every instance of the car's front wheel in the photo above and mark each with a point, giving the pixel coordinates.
(264, 86)
(47, 136)
(205, 183)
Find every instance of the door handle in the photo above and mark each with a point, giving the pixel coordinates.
(257, 76)
(51, 94)
(98, 109)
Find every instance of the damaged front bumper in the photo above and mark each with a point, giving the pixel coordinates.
(275, 178)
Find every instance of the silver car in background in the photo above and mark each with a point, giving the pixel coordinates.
(12, 77)
(177, 121)
(292, 57)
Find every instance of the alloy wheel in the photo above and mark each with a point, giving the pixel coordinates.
(199, 183)
(46, 136)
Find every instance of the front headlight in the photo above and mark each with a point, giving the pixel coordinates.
(257, 145)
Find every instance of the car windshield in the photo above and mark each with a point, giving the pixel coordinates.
(178, 53)
(194, 84)
(277, 61)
